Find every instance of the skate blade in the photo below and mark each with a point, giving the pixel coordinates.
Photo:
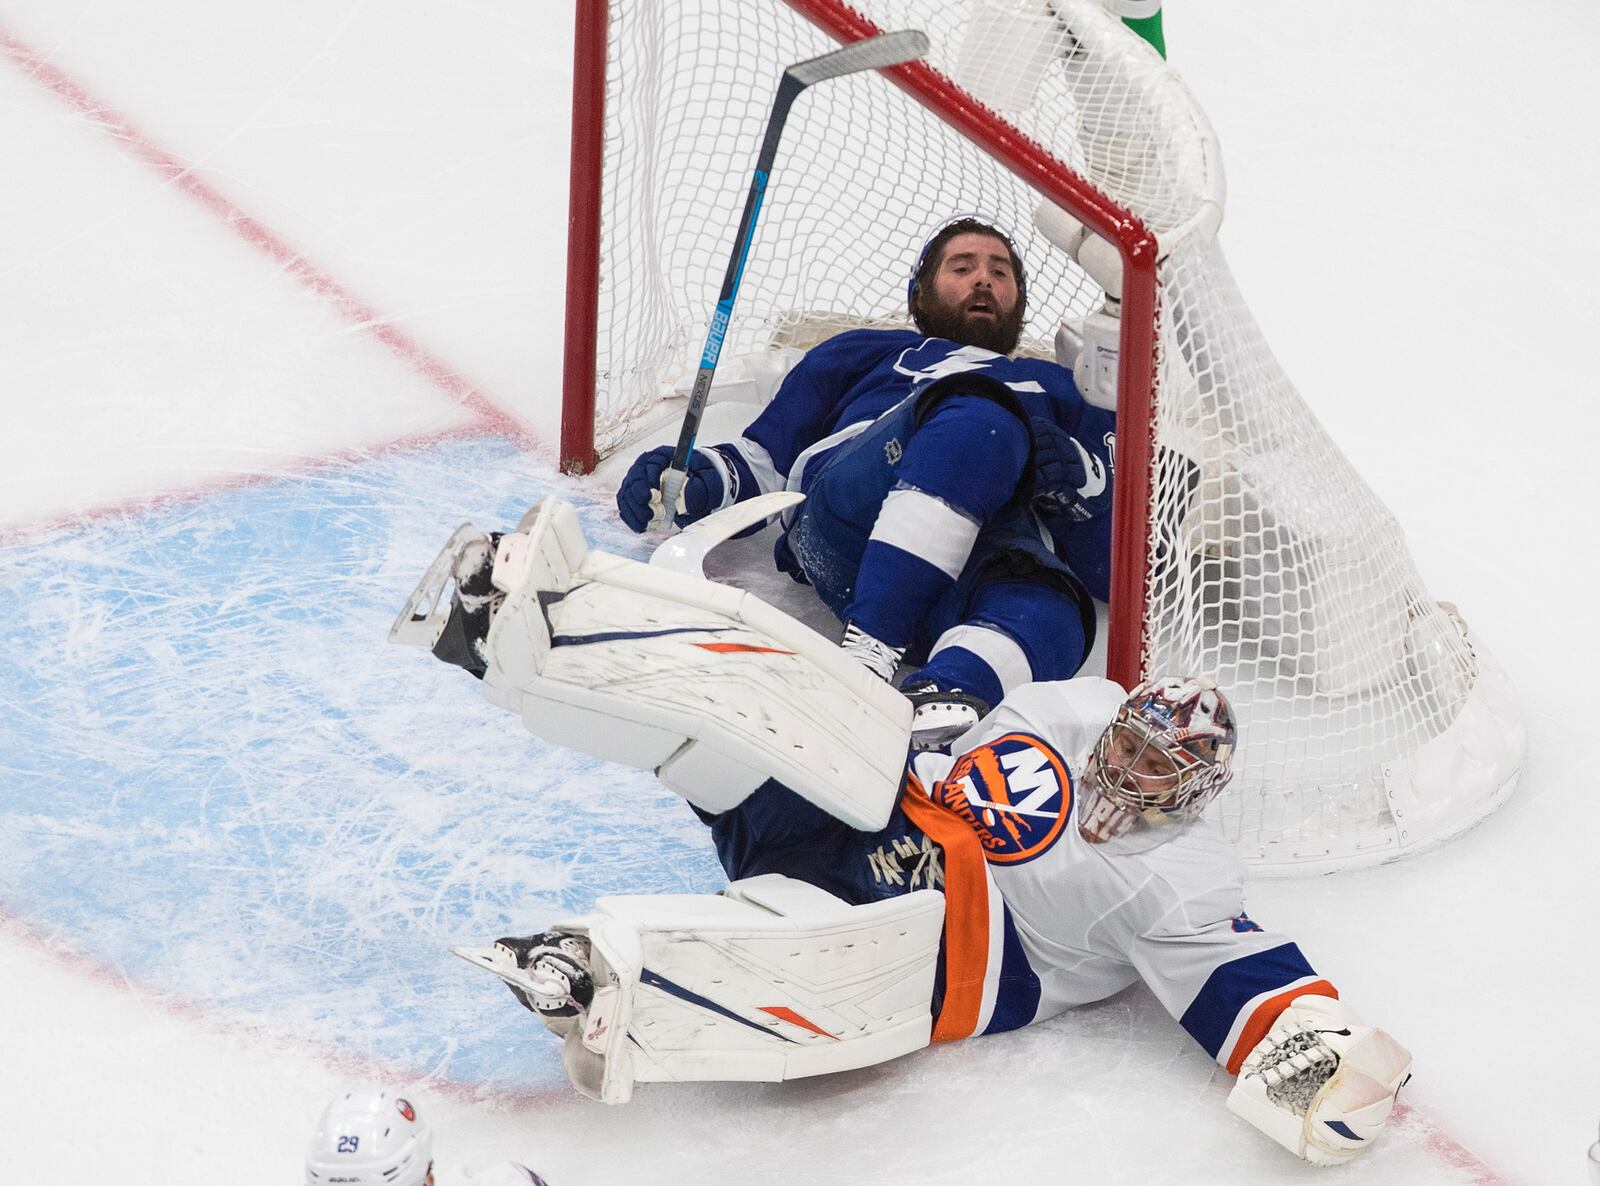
(485, 958)
(422, 620)
(490, 961)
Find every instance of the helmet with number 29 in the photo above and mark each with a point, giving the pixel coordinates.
(371, 1137)
(1164, 756)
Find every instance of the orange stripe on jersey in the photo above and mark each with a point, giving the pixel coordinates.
(966, 911)
(1266, 1013)
(784, 1013)
(738, 648)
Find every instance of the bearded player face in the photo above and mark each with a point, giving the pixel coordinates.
(972, 296)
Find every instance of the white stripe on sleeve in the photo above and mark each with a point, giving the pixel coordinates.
(759, 460)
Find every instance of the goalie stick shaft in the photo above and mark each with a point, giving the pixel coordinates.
(873, 53)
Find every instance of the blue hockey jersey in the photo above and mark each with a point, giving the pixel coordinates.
(845, 384)
(850, 380)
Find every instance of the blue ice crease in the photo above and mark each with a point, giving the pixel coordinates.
(217, 776)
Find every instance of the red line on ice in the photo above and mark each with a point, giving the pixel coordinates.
(350, 1066)
(1446, 1148)
(30, 529)
(489, 419)
(264, 239)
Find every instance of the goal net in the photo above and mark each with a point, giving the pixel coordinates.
(1373, 722)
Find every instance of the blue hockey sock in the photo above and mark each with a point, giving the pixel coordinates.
(958, 669)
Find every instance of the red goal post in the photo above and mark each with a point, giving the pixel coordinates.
(1355, 687)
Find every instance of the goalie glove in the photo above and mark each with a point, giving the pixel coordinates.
(1321, 1083)
(712, 483)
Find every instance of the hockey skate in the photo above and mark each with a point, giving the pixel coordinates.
(455, 634)
(938, 716)
(561, 977)
(549, 973)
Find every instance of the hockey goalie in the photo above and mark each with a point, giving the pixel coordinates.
(882, 896)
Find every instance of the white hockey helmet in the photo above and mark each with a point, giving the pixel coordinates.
(370, 1137)
(1161, 760)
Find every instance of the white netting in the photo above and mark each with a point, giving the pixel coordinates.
(1274, 568)
(863, 174)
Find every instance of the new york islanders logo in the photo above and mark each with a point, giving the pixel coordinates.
(1015, 793)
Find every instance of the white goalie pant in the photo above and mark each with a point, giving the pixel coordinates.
(772, 979)
(705, 684)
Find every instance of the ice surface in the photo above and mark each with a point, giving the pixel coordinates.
(237, 831)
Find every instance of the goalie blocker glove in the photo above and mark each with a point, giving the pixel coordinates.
(713, 481)
(1321, 1083)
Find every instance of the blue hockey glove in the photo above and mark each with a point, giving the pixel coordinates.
(704, 490)
(1069, 482)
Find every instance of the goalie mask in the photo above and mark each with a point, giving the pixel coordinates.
(1163, 757)
(370, 1138)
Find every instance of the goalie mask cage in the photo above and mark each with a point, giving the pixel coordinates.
(1373, 724)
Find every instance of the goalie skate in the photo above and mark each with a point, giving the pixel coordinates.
(548, 973)
(455, 632)
(426, 611)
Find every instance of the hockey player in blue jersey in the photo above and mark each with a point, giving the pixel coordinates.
(1054, 854)
(924, 456)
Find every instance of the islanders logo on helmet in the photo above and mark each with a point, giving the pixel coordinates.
(959, 224)
(406, 1110)
(1015, 792)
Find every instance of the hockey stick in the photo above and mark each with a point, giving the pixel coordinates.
(875, 53)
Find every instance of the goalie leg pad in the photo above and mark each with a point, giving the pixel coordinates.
(1321, 1083)
(701, 682)
(772, 979)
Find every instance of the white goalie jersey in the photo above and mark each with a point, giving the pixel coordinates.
(1039, 919)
